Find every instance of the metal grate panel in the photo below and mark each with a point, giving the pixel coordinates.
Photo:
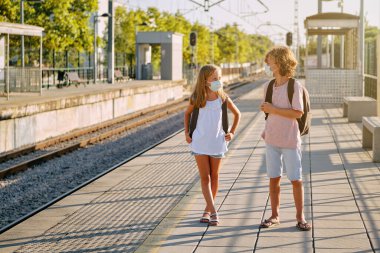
(331, 85)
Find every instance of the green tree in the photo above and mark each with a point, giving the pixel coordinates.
(203, 47)
(371, 33)
(66, 23)
(229, 43)
(9, 11)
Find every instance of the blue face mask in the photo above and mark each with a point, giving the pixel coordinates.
(216, 85)
(268, 71)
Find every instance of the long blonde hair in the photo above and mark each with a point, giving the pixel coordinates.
(199, 96)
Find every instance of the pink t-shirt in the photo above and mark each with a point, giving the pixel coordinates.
(281, 131)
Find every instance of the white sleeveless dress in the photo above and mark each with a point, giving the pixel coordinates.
(208, 136)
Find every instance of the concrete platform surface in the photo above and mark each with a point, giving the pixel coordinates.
(154, 202)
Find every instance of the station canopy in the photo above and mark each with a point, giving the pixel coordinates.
(20, 29)
(331, 23)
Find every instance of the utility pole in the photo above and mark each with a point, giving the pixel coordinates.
(319, 40)
(212, 39)
(110, 47)
(22, 36)
(296, 37)
(361, 45)
(341, 40)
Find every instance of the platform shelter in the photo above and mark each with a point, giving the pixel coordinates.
(338, 75)
(19, 79)
(171, 55)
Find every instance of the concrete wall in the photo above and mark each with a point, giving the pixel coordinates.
(28, 124)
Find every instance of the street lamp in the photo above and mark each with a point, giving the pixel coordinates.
(96, 16)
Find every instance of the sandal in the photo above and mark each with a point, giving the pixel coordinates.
(205, 218)
(214, 219)
(303, 226)
(268, 223)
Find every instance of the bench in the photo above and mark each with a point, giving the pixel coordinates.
(371, 136)
(73, 77)
(354, 108)
(119, 76)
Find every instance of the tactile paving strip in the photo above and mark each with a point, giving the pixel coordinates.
(121, 218)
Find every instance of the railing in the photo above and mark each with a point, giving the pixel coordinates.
(55, 77)
(229, 72)
(102, 75)
(331, 85)
(29, 79)
(20, 79)
(370, 86)
(370, 69)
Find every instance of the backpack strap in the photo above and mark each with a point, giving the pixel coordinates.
(193, 121)
(290, 90)
(225, 116)
(268, 95)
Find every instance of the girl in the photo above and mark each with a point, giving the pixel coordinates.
(208, 142)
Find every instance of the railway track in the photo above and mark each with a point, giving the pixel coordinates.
(22, 159)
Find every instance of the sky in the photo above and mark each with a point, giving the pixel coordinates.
(280, 14)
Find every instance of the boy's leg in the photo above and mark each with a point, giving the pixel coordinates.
(274, 172)
(298, 194)
(274, 191)
(292, 160)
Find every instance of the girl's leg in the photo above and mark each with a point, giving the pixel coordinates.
(215, 164)
(203, 162)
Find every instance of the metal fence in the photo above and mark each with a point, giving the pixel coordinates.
(229, 73)
(370, 69)
(331, 85)
(20, 79)
(56, 77)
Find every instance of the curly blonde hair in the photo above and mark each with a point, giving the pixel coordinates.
(199, 96)
(285, 60)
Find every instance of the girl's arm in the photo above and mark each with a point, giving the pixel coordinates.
(186, 121)
(237, 115)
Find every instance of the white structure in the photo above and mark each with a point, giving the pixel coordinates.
(171, 53)
(332, 82)
(20, 79)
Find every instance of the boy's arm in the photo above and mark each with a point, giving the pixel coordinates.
(288, 113)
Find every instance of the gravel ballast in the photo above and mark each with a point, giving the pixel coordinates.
(27, 191)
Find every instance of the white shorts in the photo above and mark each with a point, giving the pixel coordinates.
(277, 158)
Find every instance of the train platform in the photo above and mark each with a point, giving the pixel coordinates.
(28, 118)
(153, 203)
(17, 99)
